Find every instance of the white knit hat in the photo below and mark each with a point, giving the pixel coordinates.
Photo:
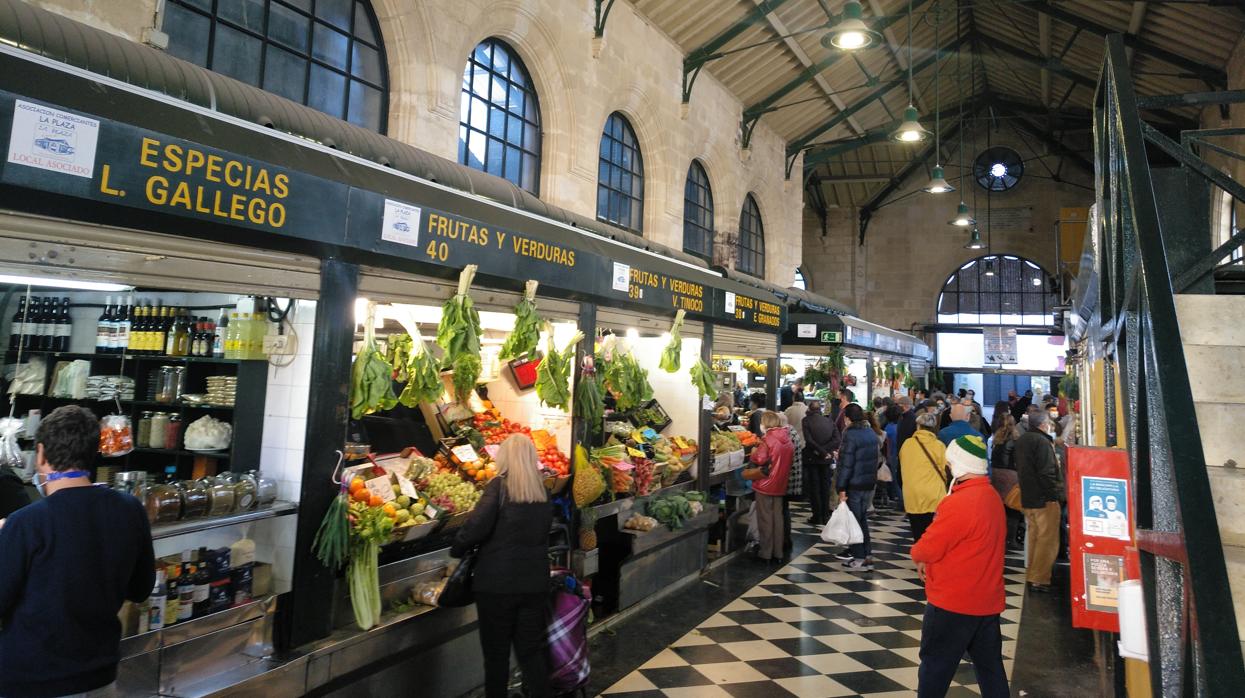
(966, 456)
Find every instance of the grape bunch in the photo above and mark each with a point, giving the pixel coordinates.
(448, 488)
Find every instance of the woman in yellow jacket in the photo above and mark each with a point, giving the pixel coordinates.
(923, 466)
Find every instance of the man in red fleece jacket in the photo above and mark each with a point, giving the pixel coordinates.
(960, 559)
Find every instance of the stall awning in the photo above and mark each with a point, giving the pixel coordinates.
(347, 191)
(819, 330)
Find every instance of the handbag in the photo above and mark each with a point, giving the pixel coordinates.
(759, 472)
(884, 473)
(457, 590)
(1012, 500)
(942, 473)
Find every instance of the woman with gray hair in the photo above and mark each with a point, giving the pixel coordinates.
(923, 460)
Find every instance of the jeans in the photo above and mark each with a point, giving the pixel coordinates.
(817, 485)
(520, 620)
(918, 523)
(1043, 528)
(858, 502)
(945, 637)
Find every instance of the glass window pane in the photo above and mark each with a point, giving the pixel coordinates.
(531, 138)
(477, 148)
(496, 122)
(365, 63)
(304, 5)
(248, 14)
(495, 153)
(365, 106)
(514, 131)
(285, 74)
(188, 33)
(205, 5)
(363, 25)
(501, 61)
(517, 100)
(330, 46)
(327, 91)
(513, 158)
(335, 12)
(530, 181)
(479, 114)
(288, 27)
(236, 54)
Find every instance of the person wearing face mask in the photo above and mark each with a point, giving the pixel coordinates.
(1041, 492)
(67, 563)
(960, 559)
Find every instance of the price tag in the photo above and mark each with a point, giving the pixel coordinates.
(380, 487)
(465, 453)
(491, 450)
(678, 441)
(407, 487)
(736, 428)
(433, 511)
(636, 453)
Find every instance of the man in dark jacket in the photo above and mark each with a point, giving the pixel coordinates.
(67, 563)
(1041, 491)
(821, 440)
(856, 477)
(1021, 406)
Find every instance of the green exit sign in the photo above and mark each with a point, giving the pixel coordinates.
(831, 337)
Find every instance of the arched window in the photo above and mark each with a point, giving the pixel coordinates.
(799, 282)
(751, 258)
(698, 213)
(1226, 227)
(998, 290)
(499, 117)
(326, 54)
(620, 176)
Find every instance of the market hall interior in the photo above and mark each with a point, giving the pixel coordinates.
(846, 347)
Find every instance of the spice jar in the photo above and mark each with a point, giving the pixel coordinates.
(173, 433)
(159, 429)
(163, 500)
(130, 482)
(144, 431)
(195, 502)
(244, 486)
(265, 489)
(222, 498)
(171, 384)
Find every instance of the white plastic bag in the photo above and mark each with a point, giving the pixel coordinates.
(884, 473)
(842, 528)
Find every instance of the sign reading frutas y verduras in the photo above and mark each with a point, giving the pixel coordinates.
(120, 164)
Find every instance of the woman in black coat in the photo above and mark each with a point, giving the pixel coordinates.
(511, 581)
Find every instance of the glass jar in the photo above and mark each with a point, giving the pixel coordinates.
(144, 430)
(171, 384)
(130, 482)
(265, 489)
(159, 430)
(245, 487)
(222, 498)
(173, 433)
(195, 502)
(163, 502)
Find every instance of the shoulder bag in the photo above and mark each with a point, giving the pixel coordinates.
(457, 591)
(942, 472)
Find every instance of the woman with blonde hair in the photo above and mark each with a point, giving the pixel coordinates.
(770, 465)
(510, 525)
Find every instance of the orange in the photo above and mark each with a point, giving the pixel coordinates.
(361, 495)
(375, 501)
(391, 510)
(481, 476)
(356, 484)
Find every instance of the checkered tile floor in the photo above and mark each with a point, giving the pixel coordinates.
(814, 630)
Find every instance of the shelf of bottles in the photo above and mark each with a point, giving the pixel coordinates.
(136, 342)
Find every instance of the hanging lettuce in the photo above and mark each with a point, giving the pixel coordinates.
(459, 335)
(398, 354)
(371, 377)
(702, 378)
(670, 356)
(628, 381)
(589, 402)
(526, 334)
(423, 383)
(553, 376)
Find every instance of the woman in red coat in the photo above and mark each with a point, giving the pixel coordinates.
(772, 459)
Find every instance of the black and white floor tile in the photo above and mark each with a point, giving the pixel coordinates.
(814, 630)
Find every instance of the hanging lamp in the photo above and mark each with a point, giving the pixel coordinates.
(974, 240)
(937, 180)
(989, 266)
(851, 33)
(910, 129)
(963, 218)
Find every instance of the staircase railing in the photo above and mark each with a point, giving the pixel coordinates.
(1194, 643)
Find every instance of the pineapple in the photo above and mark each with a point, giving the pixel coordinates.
(587, 529)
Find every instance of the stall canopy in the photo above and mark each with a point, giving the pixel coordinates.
(343, 191)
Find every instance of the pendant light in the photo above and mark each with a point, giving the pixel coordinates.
(974, 240)
(963, 218)
(910, 130)
(851, 33)
(937, 180)
(989, 266)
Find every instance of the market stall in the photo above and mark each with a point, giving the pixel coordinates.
(844, 351)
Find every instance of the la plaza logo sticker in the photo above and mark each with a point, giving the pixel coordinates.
(53, 140)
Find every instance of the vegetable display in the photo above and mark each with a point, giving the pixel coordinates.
(371, 377)
(674, 510)
(369, 528)
(628, 381)
(589, 401)
(526, 334)
(670, 356)
(553, 376)
(459, 335)
(423, 382)
(702, 378)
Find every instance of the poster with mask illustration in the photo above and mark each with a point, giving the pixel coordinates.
(1104, 507)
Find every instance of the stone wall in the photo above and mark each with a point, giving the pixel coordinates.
(909, 251)
(638, 71)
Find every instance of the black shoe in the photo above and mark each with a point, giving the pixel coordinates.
(845, 556)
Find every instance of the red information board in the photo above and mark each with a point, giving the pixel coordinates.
(1100, 528)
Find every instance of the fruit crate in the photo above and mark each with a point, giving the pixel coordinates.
(416, 532)
(651, 414)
